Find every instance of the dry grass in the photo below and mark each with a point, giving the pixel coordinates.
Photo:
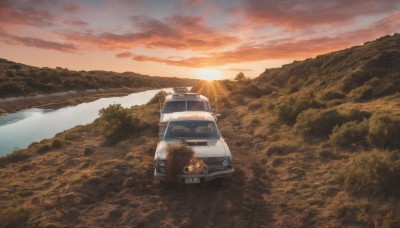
(177, 158)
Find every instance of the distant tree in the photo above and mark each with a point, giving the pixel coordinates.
(240, 77)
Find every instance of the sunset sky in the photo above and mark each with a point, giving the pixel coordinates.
(187, 38)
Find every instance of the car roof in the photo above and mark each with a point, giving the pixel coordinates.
(192, 115)
(186, 96)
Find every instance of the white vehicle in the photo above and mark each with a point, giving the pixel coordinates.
(199, 131)
(183, 102)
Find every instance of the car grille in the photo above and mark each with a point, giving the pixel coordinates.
(214, 164)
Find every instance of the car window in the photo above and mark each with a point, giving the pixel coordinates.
(196, 106)
(174, 106)
(192, 129)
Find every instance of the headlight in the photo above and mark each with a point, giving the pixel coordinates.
(225, 163)
(161, 163)
(161, 166)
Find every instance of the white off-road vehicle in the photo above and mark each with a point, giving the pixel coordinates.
(183, 102)
(199, 131)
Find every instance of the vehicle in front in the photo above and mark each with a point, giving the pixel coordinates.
(212, 157)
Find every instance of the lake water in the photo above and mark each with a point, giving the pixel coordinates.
(18, 130)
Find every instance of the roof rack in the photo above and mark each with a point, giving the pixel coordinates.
(175, 95)
(181, 90)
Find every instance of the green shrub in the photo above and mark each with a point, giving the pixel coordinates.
(239, 99)
(350, 134)
(376, 173)
(332, 95)
(318, 123)
(252, 90)
(15, 217)
(384, 131)
(57, 143)
(255, 122)
(289, 110)
(43, 149)
(357, 115)
(118, 124)
(16, 156)
(362, 93)
(159, 98)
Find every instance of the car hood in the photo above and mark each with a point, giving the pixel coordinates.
(203, 149)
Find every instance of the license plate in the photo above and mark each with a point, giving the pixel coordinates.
(194, 180)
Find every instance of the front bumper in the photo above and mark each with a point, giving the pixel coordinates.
(226, 173)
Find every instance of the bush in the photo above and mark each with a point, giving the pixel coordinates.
(239, 99)
(43, 149)
(384, 131)
(159, 98)
(252, 90)
(178, 156)
(118, 124)
(362, 93)
(350, 134)
(332, 95)
(16, 156)
(376, 173)
(289, 110)
(57, 143)
(318, 123)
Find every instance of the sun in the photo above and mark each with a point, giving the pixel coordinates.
(209, 74)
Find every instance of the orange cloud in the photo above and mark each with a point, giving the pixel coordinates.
(307, 13)
(178, 32)
(24, 15)
(38, 43)
(285, 49)
(75, 22)
(237, 69)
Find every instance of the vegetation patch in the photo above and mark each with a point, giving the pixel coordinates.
(384, 131)
(318, 123)
(291, 108)
(376, 173)
(177, 158)
(118, 124)
(350, 134)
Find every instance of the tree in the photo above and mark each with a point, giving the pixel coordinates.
(240, 77)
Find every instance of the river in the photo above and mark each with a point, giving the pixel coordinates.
(18, 130)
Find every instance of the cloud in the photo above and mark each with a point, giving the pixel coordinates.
(38, 43)
(75, 22)
(308, 13)
(9, 15)
(177, 32)
(237, 69)
(71, 8)
(278, 49)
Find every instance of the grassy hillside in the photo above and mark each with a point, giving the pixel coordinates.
(18, 79)
(313, 146)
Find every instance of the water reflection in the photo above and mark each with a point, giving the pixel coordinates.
(19, 130)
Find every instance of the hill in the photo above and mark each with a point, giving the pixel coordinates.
(21, 80)
(308, 152)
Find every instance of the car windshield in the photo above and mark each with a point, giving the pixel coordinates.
(174, 106)
(180, 106)
(196, 106)
(192, 129)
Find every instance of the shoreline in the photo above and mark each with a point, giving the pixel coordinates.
(61, 99)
